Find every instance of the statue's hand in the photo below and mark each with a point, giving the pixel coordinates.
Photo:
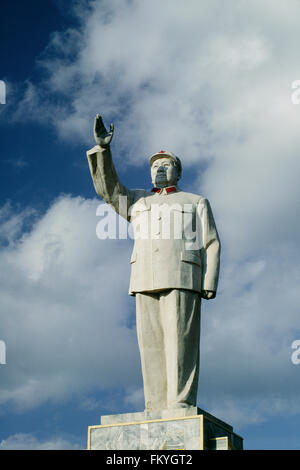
(208, 294)
(102, 137)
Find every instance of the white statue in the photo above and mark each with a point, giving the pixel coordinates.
(174, 263)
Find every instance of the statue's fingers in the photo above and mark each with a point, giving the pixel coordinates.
(96, 120)
(99, 126)
(102, 127)
(111, 128)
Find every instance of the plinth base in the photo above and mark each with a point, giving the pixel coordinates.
(178, 429)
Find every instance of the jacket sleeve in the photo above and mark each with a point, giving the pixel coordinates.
(106, 180)
(211, 247)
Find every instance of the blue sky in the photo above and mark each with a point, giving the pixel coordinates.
(212, 85)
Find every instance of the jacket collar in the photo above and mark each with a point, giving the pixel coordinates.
(167, 190)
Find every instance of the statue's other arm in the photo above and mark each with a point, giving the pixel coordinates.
(210, 250)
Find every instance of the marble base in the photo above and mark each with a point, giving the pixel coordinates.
(177, 429)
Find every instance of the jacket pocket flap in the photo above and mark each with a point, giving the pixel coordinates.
(191, 257)
(184, 208)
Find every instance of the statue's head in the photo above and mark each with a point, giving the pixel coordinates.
(165, 169)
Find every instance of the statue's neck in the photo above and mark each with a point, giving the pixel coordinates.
(162, 186)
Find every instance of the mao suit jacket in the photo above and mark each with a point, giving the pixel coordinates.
(176, 243)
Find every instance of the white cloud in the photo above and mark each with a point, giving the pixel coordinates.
(12, 222)
(65, 325)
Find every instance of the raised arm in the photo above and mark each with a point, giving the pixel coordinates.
(103, 172)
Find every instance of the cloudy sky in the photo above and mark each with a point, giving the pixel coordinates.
(213, 84)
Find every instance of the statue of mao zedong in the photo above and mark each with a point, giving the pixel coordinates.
(174, 265)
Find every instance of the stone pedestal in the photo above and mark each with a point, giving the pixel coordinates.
(179, 429)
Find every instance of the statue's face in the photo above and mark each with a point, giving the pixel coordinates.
(164, 173)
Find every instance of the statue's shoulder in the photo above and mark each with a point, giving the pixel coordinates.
(191, 198)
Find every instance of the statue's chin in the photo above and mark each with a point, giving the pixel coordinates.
(161, 183)
(165, 184)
